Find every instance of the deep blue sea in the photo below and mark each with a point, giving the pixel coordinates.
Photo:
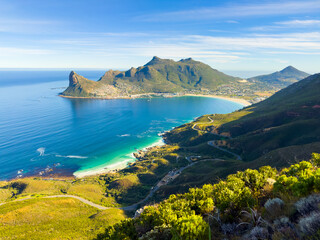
(40, 130)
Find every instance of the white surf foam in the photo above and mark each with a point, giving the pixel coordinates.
(75, 156)
(114, 166)
(41, 151)
(124, 135)
(71, 156)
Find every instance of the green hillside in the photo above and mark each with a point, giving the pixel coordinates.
(291, 117)
(157, 76)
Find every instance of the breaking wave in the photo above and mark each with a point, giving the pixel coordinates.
(71, 156)
(41, 151)
(124, 135)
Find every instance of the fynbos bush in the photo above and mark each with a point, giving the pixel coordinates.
(308, 204)
(257, 233)
(229, 228)
(159, 232)
(274, 206)
(310, 224)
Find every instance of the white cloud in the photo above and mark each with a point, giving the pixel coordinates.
(311, 23)
(238, 10)
(25, 25)
(221, 49)
(300, 23)
(10, 51)
(232, 21)
(300, 42)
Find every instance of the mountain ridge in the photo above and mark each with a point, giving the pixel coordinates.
(156, 76)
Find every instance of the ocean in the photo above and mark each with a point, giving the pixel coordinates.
(40, 130)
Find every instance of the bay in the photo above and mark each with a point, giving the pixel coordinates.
(40, 130)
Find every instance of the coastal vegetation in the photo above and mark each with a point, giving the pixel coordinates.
(252, 204)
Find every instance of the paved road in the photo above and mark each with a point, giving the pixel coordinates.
(212, 144)
(194, 127)
(65, 196)
(80, 199)
(164, 181)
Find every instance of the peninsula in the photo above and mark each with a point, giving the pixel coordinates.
(169, 78)
(159, 77)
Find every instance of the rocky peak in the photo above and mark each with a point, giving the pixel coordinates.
(186, 60)
(73, 78)
(131, 72)
(289, 69)
(154, 60)
(109, 74)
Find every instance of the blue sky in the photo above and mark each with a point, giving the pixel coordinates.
(238, 35)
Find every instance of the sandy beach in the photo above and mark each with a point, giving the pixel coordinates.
(107, 168)
(236, 100)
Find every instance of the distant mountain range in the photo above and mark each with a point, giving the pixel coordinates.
(283, 78)
(157, 76)
(165, 76)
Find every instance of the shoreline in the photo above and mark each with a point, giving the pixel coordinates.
(114, 167)
(144, 95)
(117, 166)
(231, 99)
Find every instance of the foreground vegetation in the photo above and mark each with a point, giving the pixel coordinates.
(253, 204)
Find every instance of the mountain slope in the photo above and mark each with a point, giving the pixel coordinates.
(289, 118)
(157, 76)
(282, 78)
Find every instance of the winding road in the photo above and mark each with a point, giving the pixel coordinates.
(133, 207)
(63, 196)
(212, 143)
(194, 125)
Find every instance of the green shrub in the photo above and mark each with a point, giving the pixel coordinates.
(189, 228)
(232, 195)
(298, 180)
(316, 159)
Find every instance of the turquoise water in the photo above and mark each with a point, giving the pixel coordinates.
(39, 130)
